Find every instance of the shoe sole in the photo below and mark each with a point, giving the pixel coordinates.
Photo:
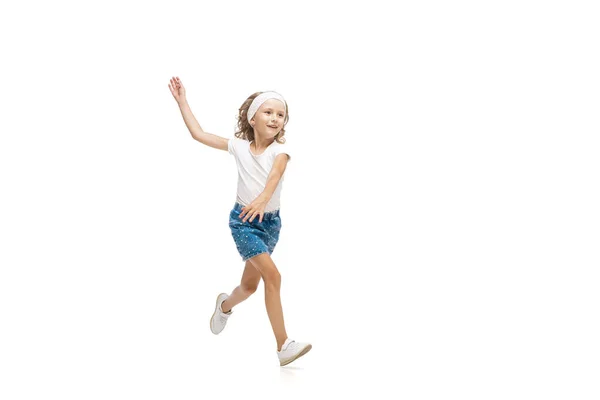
(215, 313)
(297, 356)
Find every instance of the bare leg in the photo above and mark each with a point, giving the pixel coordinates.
(272, 279)
(248, 285)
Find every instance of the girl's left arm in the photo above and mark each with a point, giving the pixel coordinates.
(275, 175)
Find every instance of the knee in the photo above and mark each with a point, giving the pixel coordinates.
(273, 280)
(249, 288)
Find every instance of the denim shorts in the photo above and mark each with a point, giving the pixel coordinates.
(254, 238)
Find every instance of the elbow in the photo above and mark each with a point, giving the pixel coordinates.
(197, 136)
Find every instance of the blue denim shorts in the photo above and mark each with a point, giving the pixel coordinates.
(254, 238)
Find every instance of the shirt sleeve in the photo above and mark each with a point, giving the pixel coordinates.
(231, 145)
(285, 149)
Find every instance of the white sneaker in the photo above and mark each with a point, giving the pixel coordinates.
(219, 318)
(292, 350)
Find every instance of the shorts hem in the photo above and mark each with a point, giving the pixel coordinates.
(262, 252)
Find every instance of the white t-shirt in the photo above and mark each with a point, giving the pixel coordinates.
(253, 171)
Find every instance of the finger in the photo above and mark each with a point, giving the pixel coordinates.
(253, 215)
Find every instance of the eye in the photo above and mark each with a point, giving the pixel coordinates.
(268, 112)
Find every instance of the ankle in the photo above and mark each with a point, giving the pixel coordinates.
(225, 309)
(280, 345)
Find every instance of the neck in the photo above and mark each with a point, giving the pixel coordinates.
(260, 143)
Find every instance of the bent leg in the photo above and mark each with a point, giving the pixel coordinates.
(248, 285)
(272, 280)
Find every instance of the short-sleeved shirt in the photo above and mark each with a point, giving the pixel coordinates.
(253, 171)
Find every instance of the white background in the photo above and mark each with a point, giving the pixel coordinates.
(440, 214)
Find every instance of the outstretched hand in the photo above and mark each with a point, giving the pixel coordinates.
(257, 207)
(177, 89)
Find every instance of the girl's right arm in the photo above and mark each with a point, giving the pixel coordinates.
(178, 92)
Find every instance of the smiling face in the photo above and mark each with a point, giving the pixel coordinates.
(269, 118)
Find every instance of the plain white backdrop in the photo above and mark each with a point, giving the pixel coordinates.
(440, 222)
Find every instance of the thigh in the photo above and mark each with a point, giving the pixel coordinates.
(264, 264)
(251, 276)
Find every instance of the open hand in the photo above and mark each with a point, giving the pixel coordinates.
(177, 89)
(257, 207)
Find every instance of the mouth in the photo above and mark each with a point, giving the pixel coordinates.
(274, 127)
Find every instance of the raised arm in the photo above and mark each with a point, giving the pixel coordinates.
(197, 132)
(178, 92)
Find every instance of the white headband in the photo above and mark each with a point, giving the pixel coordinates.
(260, 99)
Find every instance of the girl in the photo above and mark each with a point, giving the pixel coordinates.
(255, 223)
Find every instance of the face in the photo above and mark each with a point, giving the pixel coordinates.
(269, 118)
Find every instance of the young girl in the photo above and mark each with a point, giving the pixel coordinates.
(261, 157)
